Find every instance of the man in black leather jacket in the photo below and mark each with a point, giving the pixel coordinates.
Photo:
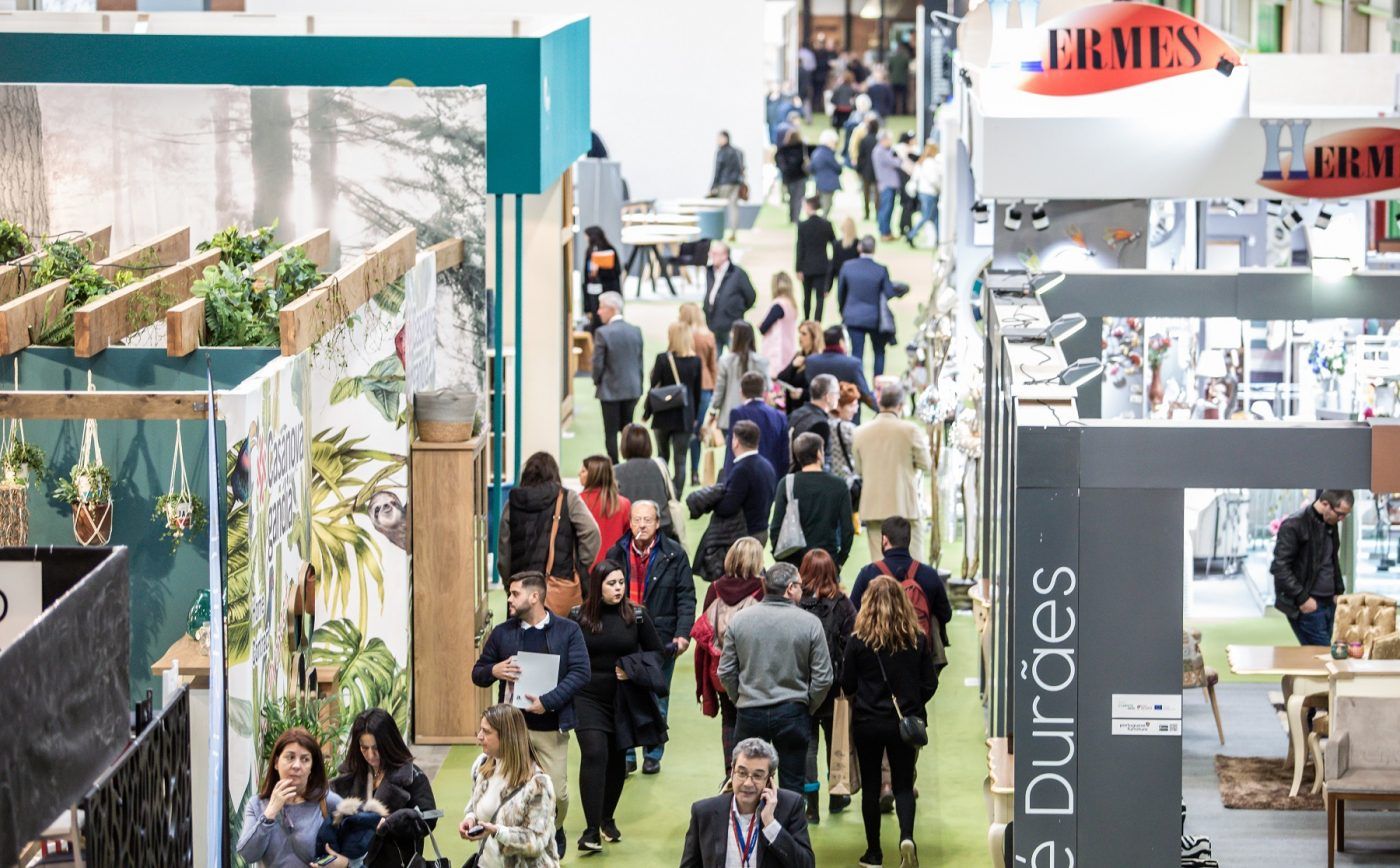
(1307, 573)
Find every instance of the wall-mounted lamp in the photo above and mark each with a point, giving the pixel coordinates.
(1324, 216)
(1060, 329)
(1291, 218)
(1080, 372)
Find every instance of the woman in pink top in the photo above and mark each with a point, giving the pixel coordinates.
(612, 511)
(779, 327)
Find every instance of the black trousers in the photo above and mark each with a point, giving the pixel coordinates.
(728, 719)
(873, 740)
(602, 770)
(616, 416)
(814, 290)
(672, 446)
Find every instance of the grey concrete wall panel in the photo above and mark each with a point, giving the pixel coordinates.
(1143, 454)
(1130, 549)
(1047, 671)
(1275, 294)
(1047, 457)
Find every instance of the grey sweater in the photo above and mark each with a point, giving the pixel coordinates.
(288, 841)
(775, 652)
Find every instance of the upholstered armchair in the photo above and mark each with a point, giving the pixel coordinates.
(1195, 673)
(1364, 618)
(1363, 759)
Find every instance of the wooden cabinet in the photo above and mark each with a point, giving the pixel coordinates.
(450, 581)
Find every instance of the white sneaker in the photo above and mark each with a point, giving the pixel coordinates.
(908, 856)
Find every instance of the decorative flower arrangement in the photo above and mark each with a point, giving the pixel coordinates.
(1122, 347)
(1328, 359)
(966, 434)
(1157, 347)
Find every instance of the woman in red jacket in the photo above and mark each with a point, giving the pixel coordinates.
(612, 511)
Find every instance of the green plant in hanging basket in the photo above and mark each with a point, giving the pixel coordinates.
(14, 241)
(22, 463)
(239, 248)
(86, 483)
(182, 514)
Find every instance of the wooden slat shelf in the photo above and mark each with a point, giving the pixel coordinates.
(115, 316)
(13, 276)
(316, 244)
(450, 253)
(306, 320)
(162, 251)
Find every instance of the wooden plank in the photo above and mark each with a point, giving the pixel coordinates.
(450, 253)
(18, 316)
(161, 251)
(103, 405)
(106, 320)
(306, 320)
(13, 278)
(184, 327)
(317, 245)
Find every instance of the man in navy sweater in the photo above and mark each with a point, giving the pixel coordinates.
(834, 360)
(751, 483)
(549, 717)
(772, 423)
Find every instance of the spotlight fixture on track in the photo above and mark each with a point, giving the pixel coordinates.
(1039, 219)
(1013, 216)
(1291, 218)
(981, 211)
(1234, 207)
(1275, 207)
(1324, 216)
(1225, 66)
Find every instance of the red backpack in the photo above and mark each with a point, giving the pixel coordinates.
(917, 598)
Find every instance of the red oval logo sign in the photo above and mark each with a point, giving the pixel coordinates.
(1117, 45)
(1349, 163)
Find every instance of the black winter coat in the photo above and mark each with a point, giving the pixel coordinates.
(638, 721)
(669, 593)
(403, 789)
(1298, 552)
(719, 536)
(791, 161)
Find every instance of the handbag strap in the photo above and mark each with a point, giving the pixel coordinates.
(886, 676)
(666, 476)
(671, 357)
(554, 532)
(481, 848)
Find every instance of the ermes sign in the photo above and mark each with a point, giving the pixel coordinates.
(1116, 45)
(1347, 163)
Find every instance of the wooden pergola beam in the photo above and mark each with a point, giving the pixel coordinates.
(106, 320)
(12, 276)
(317, 245)
(450, 253)
(306, 320)
(165, 249)
(28, 311)
(104, 405)
(184, 327)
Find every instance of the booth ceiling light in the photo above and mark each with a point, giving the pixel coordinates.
(1324, 216)
(1292, 218)
(1235, 206)
(1039, 219)
(1224, 67)
(981, 211)
(1328, 268)
(1060, 329)
(1013, 216)
(1080, 372)
(1275, 208)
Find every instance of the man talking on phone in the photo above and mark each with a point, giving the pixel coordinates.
(755, 825)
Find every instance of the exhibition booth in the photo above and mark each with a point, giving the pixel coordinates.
(241, 263)
(1164, 318)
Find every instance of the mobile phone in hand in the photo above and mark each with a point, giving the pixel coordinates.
(476, 830)
(324, 860)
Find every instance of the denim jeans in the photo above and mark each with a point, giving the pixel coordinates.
(788, 727)
(886, 210)
(1315, 628)
(928, 213)
(858, 337)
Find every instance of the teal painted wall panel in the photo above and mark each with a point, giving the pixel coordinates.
(565, 113)
(163, 583)
(510, 68)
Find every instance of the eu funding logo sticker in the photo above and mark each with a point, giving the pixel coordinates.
(1347, 163)
(1116, 45)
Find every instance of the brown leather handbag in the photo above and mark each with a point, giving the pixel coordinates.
(561, 595)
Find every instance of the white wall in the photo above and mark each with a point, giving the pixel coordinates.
(666, 76)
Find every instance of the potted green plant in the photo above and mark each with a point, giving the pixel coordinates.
(182, 512)
(88, 490)
(21, 462)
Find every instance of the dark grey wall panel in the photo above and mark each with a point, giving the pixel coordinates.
(1225, 454)
(1130, 616)
(1048, 457)
(1046, 673)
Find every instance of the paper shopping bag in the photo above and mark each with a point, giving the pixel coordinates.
(844, 777)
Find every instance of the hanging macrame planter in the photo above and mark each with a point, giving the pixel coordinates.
(180, 510)
(88, 490)
(21, 462)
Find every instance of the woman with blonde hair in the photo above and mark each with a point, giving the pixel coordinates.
(705, 349)
(779, 326)
(609, 509)
(928, 184)
(511, 810)
(678, 366)
(888, 674)
(846, 248)
(741, 586)
(809, 342)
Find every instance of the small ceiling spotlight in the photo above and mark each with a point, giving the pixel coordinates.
(1324, 216)
(1013, 216)
(1236, 206)
(1080, 372)
(981, 211)
(1060, 329)
(1039, 219)
(1225, 66)
(1292, 218)
(1275, 208)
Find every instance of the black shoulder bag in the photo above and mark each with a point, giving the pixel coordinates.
(672, 397)
(912, 730)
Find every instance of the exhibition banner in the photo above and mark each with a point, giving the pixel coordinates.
(1345, 164)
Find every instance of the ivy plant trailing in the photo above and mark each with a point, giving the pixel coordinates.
(181, 514)
(64, 260)
(86, 483)
(14, 241)
(22, 462)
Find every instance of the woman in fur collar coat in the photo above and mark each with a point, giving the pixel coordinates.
(379, 768)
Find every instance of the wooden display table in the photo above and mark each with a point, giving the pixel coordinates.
(450, 613)
(1303, 669)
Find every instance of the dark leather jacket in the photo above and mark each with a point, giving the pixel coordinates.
(1298, 553)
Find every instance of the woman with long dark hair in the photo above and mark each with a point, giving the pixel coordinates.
(379, 766)
(888, 674)
(609, 509)
(602, 272)
(823, 597)
(511, 810)
(739, 358)
(542, 518)
(614, 627)
(281, 821)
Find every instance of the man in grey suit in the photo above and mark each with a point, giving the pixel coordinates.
(617, 368)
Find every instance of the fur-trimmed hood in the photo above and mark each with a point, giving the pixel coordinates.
(350, 807)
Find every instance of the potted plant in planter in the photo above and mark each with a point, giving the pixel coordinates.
(88, 489)
(182, 512)
(21, 462)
